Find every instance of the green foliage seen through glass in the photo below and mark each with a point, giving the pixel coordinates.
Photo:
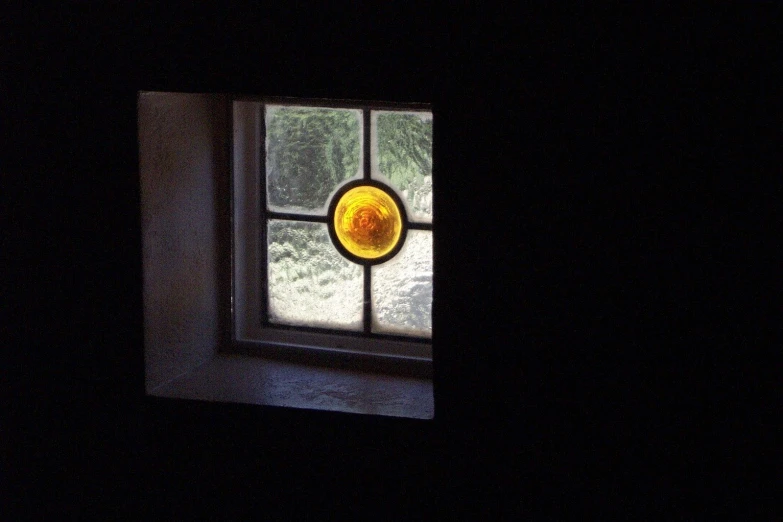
(405, 157)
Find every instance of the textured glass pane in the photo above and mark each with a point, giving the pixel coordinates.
(310, 283)
(402, 289)
(309, 152)
(403, 158)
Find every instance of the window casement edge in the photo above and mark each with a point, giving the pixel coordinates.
(247, 163)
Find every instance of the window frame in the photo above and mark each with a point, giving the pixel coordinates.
(250, 334)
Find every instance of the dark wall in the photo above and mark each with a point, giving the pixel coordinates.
(575, 157)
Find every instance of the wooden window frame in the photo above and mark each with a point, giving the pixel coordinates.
(250, 333)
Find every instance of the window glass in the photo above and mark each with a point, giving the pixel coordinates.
(309, 152)
(402, 289)
(349, 217)
(310, 283)
(403, 158)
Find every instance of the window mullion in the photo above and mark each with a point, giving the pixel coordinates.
(366, 149)
(367, 299)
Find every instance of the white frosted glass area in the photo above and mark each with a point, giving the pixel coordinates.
(402, 289)
(310, 152)
(402, 157)
(310, 283)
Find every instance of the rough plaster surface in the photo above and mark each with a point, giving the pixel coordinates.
(274, 383)
(183, 167)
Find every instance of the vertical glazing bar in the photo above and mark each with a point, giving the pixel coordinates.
(367, 144)
(367, 299)
(367, 175)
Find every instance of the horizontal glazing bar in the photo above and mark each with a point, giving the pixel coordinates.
(296, 217)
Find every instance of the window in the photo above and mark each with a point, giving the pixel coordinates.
(287, 252)
(333, 227)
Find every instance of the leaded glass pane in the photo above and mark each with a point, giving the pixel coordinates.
(402, 289)
(402, 157)
(309, 152)
(310, 283)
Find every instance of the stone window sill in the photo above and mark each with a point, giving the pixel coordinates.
(256, 380)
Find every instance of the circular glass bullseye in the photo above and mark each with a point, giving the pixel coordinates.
(367, 222)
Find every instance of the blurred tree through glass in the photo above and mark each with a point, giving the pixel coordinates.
(310, 151)
(404, 157)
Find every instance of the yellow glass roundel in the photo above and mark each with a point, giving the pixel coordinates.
(367, 222)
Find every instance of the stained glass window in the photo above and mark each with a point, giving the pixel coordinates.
(348, 220)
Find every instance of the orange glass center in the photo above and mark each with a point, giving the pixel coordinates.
(367, 222)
